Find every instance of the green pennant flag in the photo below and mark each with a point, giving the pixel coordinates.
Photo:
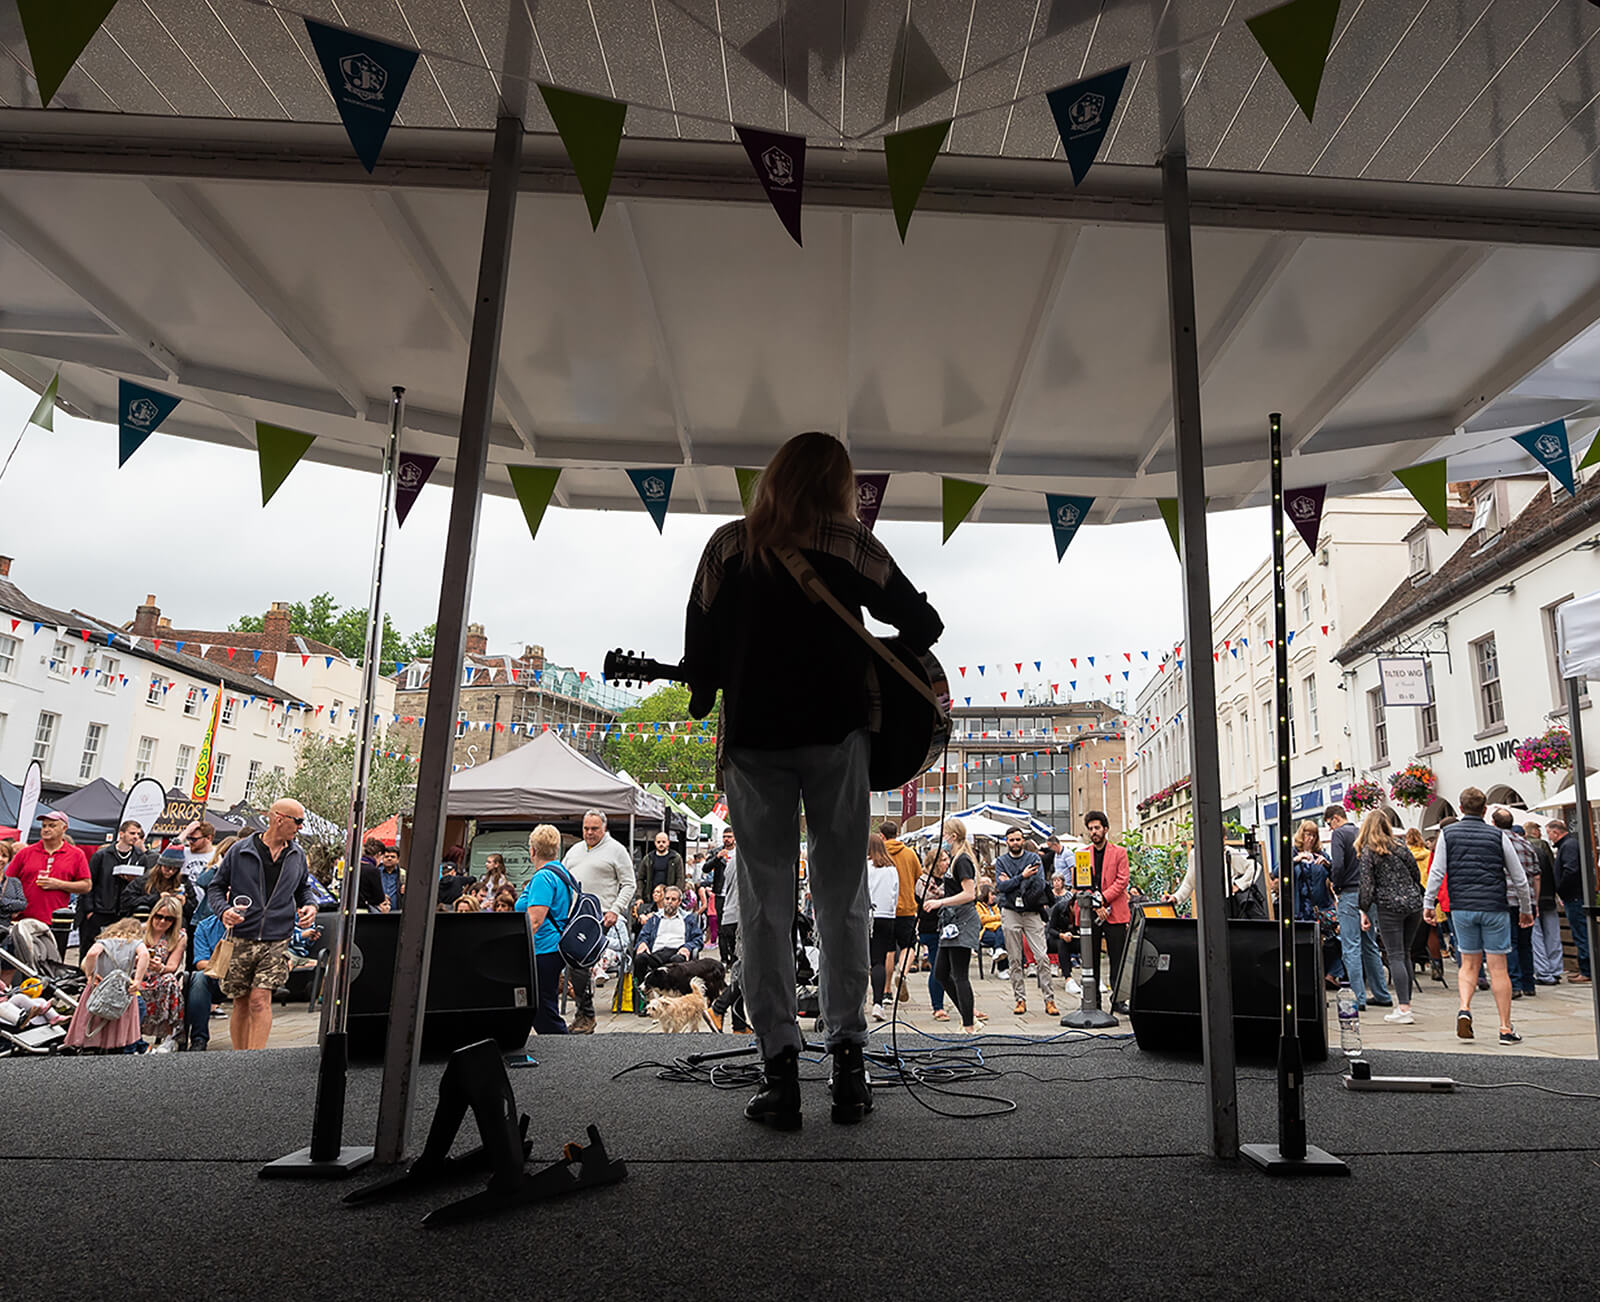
(747, 485)
(57, 32)
(1592, 455)
(1426, 483)
(960, 496)
(1296, 38)
(44, 415)
(908, 156)
(534, 485)
(591, 130)
(279, 450)
(1169, 513)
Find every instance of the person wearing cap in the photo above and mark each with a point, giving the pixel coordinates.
(52, 870)
(109, 869)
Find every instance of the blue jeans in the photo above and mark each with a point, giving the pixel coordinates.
(1360, 951)
(203, 992)
(1573, 908)
(765, 789)
(935, 990)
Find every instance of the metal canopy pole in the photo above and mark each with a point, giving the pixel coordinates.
(327, 1154)
(1290, 1155)
(1586, 866)
(410, 990)
(1216, 989)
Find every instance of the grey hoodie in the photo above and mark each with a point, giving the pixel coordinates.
(241, 873)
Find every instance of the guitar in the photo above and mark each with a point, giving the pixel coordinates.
(913, 733)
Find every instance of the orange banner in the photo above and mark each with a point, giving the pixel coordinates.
(202, 766)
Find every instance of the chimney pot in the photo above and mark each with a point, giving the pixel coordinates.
(147, 617)
(477, 643)
(5, 567)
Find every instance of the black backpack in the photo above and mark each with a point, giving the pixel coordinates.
(583, 935)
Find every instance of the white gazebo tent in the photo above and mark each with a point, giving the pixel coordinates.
(1408, 277)
(546, 778)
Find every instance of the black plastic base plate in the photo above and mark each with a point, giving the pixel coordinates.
(1090, 1019)
(299, 1166)
(1270, 1159)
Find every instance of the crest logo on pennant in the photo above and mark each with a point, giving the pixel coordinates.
(1067, 516)
(410, 476)
(867, 495)
(1549, 446)
(654, 488)
(779, 167)
(143, 413)
(1086, 112)
(1303, 508)
(364, 77)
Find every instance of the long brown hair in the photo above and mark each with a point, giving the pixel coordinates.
(878, 851)
(170, 906)
(1374, 834)
(1307, 838)
(809, 479)
(155, 878)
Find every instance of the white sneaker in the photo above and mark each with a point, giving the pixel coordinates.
(600, 978)
(1399, 1018)
(878, 1015)
(168, 1045)
(1073, 988)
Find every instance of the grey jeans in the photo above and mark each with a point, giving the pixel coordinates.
(1016, 924)
(765, 788)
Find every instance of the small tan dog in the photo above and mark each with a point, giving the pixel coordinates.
(680, 1012)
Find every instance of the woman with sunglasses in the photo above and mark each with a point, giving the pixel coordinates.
(162, 992)
(165, 877)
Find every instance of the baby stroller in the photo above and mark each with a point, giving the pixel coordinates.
(28, 953)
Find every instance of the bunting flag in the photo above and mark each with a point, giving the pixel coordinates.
(279, 450)
(140, 412)
(1083, 113)
(534, 486)
(780, 163)
(410, 474)
(1303, 507)
(591, 130)
(1592, 455)
(747, 486)
(367, 79)
(869, 497)
(1548, 445)
(57, 32)
(1426, 483)
(1169, 512)
(655, 491)
(1067, 515)
(908, 157)
(959, 497)
(1296, 38)
(44, 411)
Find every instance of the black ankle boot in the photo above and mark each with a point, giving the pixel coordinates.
(777, 1102)
(852, 1092)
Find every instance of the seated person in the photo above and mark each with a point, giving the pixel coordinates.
(205, 987)
(642, 910)
(467, 903)
(23, 1005)
(505, 902)
(670, 936)
(992, 936)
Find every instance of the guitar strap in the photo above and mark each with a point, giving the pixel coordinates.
(816, 590)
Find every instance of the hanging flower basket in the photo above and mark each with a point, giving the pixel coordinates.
(1549, 753)
(1363, 795)
(1413, 785)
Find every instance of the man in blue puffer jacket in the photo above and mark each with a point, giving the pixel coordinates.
(1485, 871)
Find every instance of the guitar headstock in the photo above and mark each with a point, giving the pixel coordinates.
(626, 668)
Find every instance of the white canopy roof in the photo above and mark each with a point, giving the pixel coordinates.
(545, 779)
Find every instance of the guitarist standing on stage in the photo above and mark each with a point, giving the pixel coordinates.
(797, 697)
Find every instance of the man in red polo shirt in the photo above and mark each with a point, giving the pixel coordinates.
(50, 870)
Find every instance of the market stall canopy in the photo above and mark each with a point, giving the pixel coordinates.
(1566, 798)
(81, 830)
(99, 802)
(546, 779)
(1407, 277)
(1007, 815)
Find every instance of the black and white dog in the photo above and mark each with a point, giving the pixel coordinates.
(674, 978)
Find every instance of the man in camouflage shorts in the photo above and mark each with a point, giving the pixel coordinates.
(256, 965)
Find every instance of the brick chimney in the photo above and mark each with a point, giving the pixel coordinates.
(275, 627)
(477, 643)
(5, 567)
(533, 657)
(146, 618)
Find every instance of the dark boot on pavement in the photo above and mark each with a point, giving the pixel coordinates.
(852, 1091)
(584, 1025)
(777, 1102)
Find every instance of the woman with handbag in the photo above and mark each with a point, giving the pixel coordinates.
(107, 1019)
(798, 699)
(1391, 888)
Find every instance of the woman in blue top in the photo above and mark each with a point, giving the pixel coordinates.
(547, 900)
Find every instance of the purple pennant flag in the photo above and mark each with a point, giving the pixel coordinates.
(409, 476)
(780, 163)
(869, 497)
(1303, 507)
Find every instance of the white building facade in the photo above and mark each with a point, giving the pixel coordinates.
(1483, 623)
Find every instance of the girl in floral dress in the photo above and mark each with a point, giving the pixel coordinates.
(163, 988)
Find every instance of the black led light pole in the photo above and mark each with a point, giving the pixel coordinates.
(1290, 1155)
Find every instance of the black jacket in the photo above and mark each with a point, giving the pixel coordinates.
(1346, 871)
(1569, 879)
(106, 889)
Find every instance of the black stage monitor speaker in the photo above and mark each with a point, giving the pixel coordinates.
(481, 983)
(1166, 997)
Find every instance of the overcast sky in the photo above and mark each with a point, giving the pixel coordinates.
(184, 520)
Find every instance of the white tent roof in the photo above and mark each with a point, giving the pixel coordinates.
(545, 779)
(1408, 276)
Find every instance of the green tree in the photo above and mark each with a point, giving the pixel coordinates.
(345, 627)
(323, 772)
(688, 769)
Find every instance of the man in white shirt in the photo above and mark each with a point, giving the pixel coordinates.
(668, 936)
(197, 848)
(600, 865)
